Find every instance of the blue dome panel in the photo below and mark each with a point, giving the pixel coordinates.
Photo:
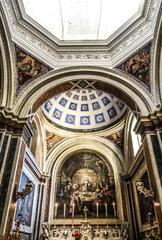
(84, 110)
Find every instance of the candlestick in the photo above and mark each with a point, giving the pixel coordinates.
(56, 206)
(114, 208)
(97, 209)
(64, 210)
(106, 212)
(73, 209)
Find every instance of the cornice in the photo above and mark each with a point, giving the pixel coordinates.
(15, 125)
(149, 124)
(104, 53)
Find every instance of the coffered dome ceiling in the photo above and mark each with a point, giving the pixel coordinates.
(83, 19)
(84, 110)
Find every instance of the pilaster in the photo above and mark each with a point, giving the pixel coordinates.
(150, 128)
(14, 135)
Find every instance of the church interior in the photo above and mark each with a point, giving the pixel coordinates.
(80, 120)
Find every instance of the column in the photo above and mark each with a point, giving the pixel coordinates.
(130, 207)
(14, 135)
(150, 128)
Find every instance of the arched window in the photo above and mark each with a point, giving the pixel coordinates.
(136, 138)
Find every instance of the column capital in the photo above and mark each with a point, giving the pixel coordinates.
(13, 124)
(148, 124)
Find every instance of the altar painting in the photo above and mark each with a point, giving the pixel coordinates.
(85, 182)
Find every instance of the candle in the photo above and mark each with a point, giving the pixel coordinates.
(64, 210)
(56, 206)
(114, 207)
(106, 212)
(73, 208)
(97, 209)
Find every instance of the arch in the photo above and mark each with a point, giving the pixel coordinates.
(112, 81)
(156, 63)
(84, 141)
(99, 145)
(7, 68)
(38, 148)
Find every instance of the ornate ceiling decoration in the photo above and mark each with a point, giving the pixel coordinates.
(118, 138)
(58, 53)
(52, 139)
(84, 110)
(75, 20)
(138, 66)
(28, 68)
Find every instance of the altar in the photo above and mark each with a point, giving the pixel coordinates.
(85, 231)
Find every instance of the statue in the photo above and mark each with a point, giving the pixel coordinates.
(28, 188)
(142, 190)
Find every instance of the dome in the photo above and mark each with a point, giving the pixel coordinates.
(83, 19)
(84, 110)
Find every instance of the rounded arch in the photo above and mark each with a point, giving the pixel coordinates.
(95, 143)
(156, 63)
(7, 67)
(38, 148)
(98, 145)
(112, 81)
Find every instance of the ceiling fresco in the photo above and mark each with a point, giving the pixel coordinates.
(28, 68)
(138, 65)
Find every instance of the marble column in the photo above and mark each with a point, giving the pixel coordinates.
(130, 207)
(15, 133)
(150, 128)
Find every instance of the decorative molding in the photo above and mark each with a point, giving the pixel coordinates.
(108, 80)
(91, 68)
(101, 53)
(149, 124)
(15, 125)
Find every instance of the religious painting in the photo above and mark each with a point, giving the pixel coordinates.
(139, 65)
(145, 201)
(28, 68)
(52, 139)
(25, 205)
(118, 138)
(85, 185)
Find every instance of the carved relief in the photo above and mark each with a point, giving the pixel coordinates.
(145, 199)
(139, 65)
(28, 68)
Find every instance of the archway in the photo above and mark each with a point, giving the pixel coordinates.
(105, 149)
(120, 85)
